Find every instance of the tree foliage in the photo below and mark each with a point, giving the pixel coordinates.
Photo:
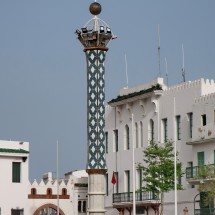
(206, 175)
(158, 169)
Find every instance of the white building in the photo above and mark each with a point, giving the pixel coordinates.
(184, 113)
(72, 192)
(14, 159)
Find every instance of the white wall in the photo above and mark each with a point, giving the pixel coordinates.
(13, 195)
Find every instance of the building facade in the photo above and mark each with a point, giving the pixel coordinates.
(184, 114)
(20, 197)
(14, 160)
(72, 194)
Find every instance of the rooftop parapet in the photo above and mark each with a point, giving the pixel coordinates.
(205, 86)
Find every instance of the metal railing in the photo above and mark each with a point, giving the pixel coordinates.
(205, 211)
(139, 196)
(200, 172)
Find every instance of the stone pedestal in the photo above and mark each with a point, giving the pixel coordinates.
(96, 193)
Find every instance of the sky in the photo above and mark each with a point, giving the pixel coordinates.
(43, 80)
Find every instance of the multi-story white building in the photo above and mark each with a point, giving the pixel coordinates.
(185, 114)
(14, 159)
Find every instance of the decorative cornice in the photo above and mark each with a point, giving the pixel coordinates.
(154, 90)
(4, 150)
(47, 196)
(96, 48)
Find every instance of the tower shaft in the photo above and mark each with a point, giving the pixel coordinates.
(96, 109)
(96, 164)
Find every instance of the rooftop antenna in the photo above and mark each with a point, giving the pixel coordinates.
(167, 81)
(159, 60)
(126, 71)
(183, 67)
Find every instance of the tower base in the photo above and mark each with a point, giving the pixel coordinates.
(96, 194)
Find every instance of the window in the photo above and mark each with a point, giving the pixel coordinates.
(49, 191)
(127, 181)
(127, 140)
(16, 172)
(179, 174)
(151, 130)
(141, 134)
(190, 117)
(139, 179)
(116, 140)
(17, 211)
(136, 135)
(178, 127)
(214, 115)
(201, 158)
(84, 206)
(204, 122)
(106, 142)
(117, 182)
(214, 156)
(164, 125)
(64, 191)
(79, 206)
(33, 191)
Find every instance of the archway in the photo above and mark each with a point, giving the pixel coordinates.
(51, 207)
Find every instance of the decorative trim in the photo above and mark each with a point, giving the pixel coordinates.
(4, 150)
(96, 48)
(97, 171)
(131, 95)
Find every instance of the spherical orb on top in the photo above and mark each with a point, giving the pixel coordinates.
(95, 8)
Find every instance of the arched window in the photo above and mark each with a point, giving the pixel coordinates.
(49, 191)
(141, 134)
(33, 191)
(64, 191)
(127, 140)
(136, 135)
(151, 130)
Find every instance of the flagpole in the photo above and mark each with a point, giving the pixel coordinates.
(57, 178)
(133, 163)
(175, 164)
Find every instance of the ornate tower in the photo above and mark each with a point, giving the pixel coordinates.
(95, 36)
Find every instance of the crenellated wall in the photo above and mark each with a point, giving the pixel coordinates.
(72, 189)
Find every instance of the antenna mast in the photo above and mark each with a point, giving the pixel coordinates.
(126, 71)
(183, 67)
(167, 81)
(159, 60)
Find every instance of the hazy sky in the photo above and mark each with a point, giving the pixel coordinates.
(43, 66)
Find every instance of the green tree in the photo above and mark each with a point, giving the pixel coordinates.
(158, 169)
(206, 175)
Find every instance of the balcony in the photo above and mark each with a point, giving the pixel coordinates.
(203, 134)
(200, 173)
(139, 197)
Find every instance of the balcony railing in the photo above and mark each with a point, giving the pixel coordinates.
(200, 172)
(139, 196)
(205, 211)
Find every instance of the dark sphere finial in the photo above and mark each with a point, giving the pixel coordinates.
(95, 8)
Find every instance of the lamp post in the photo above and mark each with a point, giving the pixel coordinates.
(95, 36)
